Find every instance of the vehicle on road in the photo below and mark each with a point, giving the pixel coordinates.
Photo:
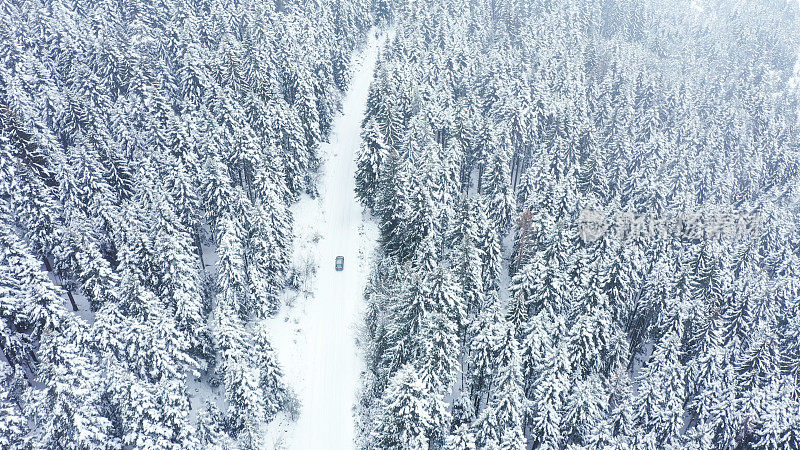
(339, 263)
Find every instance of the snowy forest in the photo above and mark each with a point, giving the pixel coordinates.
(586, 220)
(148, 155)
(494, 321)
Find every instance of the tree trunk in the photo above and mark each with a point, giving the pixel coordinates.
(69, 293)
(71, 299)
(514, 165)
(480, 177)
(198, 243)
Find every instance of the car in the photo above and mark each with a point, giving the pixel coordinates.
(339, 263)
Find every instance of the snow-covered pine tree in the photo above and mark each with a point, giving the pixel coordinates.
(405, 421)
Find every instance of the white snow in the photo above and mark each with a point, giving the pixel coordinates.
(315, 335)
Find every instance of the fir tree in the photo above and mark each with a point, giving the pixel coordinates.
(405, 421)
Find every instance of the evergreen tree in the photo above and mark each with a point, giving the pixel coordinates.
(404, 422)
(370, 158)
(14, 423)
(460, 439)
(508, 405)
(67, 409)
(662, 390)
(272, 379)
(501, 203)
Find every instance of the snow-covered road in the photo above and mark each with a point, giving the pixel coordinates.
(316, 337)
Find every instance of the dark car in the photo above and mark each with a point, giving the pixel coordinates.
(339, 263)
